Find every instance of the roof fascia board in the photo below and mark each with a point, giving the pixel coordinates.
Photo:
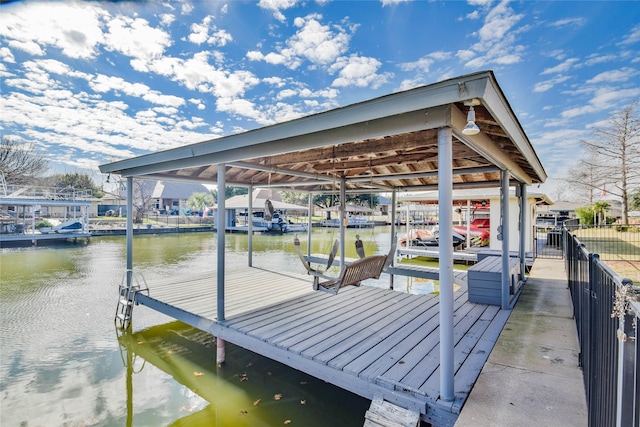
(498, 106)
(408, 122)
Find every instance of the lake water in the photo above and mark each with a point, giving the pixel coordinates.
(64, 364)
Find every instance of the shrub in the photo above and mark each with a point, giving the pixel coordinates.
(42, 224)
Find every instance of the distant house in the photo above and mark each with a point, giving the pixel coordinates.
(171, 197)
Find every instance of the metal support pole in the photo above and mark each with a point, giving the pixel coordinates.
(343, 219)
(468, 223)
(394, 195)
(221, 238)
(523, 227)
(220, 352)
(129, 238)
(309, 223)
(627, 336)
(445, 248)
(504, 205)
(250, 226)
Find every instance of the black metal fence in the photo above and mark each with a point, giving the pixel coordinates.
(547, 241)
(613, 242)
(607, 319)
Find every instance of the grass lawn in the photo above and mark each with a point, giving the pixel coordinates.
(620, 250)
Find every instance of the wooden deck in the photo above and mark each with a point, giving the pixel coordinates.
(370, 341)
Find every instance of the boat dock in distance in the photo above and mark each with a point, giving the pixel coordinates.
(374, 342)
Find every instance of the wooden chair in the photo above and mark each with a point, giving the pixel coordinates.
(369, 267)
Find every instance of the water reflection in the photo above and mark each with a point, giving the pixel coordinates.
(60, 361)
(249, 390)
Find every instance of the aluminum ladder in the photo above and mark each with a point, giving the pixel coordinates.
(127, 298)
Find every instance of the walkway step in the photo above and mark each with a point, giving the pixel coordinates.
(386, 414)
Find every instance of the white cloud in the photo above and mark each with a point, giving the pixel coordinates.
(392, 2)
(207, 32)
(603, 98)
(135, 38)
(167, 19)
(562, 67)
(410, 83)
(424, 64)
(596, 58)
(198, 74)
(74, 28)
(560, 136)
(275, 81)
(481, 3)
(313, 42)
(548, 84)
(473, 15)
(633, 36)
(186, 8)
(32, 48)
(358, 71)
(496, 38)
(621, 75)
(568, 22)
(276, 6)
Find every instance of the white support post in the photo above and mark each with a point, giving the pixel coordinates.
(343, 220)
(129, 237)
(309, 223)
(250, 226)
(468, 223)
(523, 227)
(445, 248)
(394, 194)
(221, 239)
(504, 205)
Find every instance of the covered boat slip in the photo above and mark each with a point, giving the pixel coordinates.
(368, 340)
(454, 134)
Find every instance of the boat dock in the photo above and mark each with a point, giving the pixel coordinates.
(12, 240)
(469, 255)
(376, 343)
(434, 253)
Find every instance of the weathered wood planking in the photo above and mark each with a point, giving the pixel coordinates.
(385, 414)
(371, 341)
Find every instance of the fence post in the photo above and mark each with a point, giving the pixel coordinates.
(625, 410)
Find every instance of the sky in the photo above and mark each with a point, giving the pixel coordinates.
(88, 83)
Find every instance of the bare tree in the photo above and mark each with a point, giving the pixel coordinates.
(142, 193)
(586, 178)
(20, 163)
(616, 147)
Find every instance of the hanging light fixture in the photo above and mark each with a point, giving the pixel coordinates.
(471, 128)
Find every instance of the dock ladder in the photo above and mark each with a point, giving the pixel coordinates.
(127, 298)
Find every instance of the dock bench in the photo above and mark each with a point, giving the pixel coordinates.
(484, 280)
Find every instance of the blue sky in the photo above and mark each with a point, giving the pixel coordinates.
(93, 82)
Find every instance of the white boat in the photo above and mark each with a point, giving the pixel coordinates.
(66, 227)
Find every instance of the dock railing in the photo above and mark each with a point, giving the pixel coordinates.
(606, 311)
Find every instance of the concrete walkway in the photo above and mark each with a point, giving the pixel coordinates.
(532, 376)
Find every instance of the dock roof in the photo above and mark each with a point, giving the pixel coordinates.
(381, 144)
